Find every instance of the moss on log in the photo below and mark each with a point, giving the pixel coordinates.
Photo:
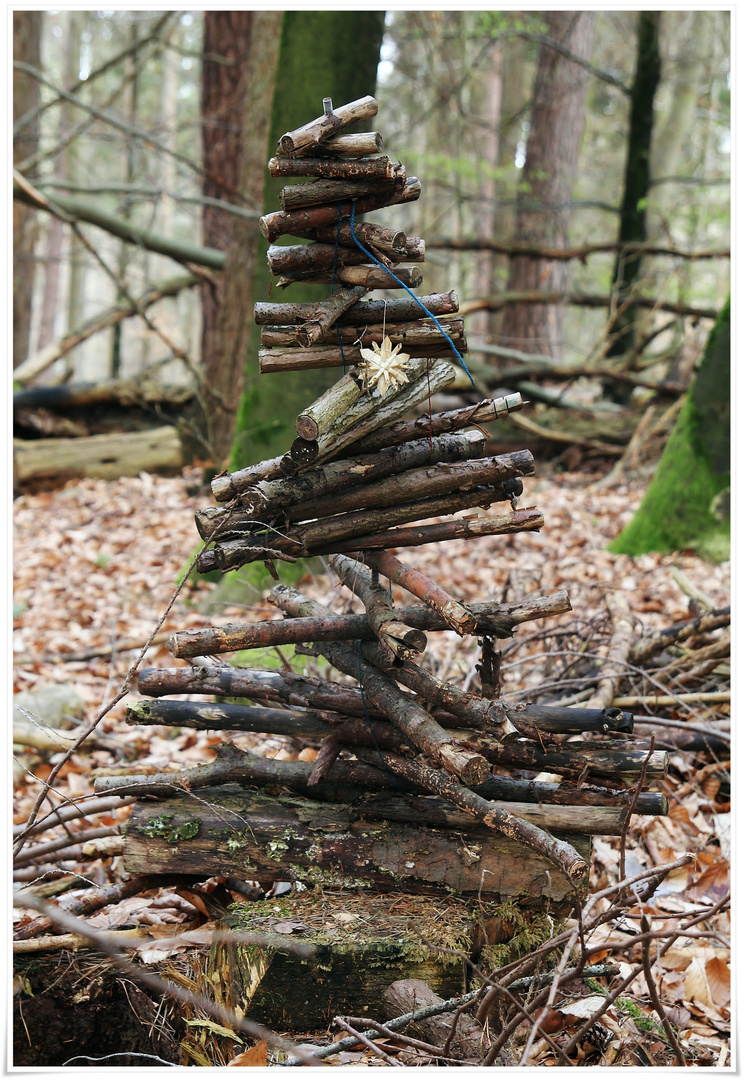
(685, 505)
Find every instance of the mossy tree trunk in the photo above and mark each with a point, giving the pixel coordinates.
(686, 505)
(637, 177)
(322, 54)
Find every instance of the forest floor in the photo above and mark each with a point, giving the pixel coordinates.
(96, 564)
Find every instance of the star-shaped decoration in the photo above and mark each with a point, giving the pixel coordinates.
(384, 366)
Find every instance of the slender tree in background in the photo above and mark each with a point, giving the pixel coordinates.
(637, 178)
(556, 125)
(322, 54)
(27, 48)
(238, 72)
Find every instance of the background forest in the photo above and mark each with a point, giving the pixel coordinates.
(575, 195)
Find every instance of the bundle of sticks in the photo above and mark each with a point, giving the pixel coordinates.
(357, 482)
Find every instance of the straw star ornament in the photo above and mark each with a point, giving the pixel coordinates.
(384, 366)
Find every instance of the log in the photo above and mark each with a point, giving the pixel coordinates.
(405, 334)
(296, 222)
(104, 456)
(251, 835)
(326, 315)
(582, 758)
(453, 420)
(327, 192)
(406, 995)
(325, 126)
(490, 618)
(441, 478)
(377, 168)
(425, 379)
(300, 259)
(395, 638)
(393, 244)
(368, 276)
(274, 495)
(459, 529)
(330, 408)
(282, 359)
(358, 144)
(255, 685)
(455, 614)
(362, 313)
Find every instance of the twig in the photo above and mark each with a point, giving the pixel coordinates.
(633, 804)
(714, 697)
(366, 1042)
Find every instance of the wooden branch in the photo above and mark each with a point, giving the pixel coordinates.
(271, 496)
(360, 144)
(440, 478)
(420, 332)
(84, 210)
(558, 852)
(497, 303)
(614, 665)
(588, 759)
(326, 315)
(490, 618)
(362, 313)
(327, 411)
(278, 360)
(581, 252)
(377, 168)
(392, 243)
(454, 420)
(461, 619)
(255, 685)
(296, 222)
(45, 357)
(368, 276)
(459, 529)
(298, 260)
(395, 639)
(325, 126)
(642, 649)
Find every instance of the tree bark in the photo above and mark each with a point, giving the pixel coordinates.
(27, 48)
(637, 179)
(236, 99)
(362, 313)
(549, 173)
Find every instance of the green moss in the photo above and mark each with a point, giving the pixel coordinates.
(162, 828)
(679, 509)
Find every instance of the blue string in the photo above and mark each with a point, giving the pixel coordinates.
(333, 289)
(369, 722)
(434, 319)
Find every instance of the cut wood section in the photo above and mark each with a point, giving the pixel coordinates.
(278, 838)
(365, 276)
(378, 168)
(324, 127)
(420, 332)
(357, 145)
(362, 313)
(104, 456)
(455, 614)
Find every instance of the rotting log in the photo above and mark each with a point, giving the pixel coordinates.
(104, 456)
(288, 838)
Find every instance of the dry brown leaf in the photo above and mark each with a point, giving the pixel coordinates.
(696, 984)
(718, 975)
(713, 882)
(257, 1055)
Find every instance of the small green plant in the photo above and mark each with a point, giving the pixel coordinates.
(102, 559)
(627, 1007)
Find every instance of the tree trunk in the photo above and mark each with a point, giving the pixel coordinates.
(687, 502)
(236, 105)
(342, 64)
(549, 174)
(637, 180)
(26, 47)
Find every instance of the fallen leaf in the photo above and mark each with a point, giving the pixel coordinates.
(255, 1056)
(696, 984)
(718, 975)
(289, 927)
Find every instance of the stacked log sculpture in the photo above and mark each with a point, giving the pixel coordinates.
(417, 785)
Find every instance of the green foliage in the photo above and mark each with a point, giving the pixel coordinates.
(679, 508)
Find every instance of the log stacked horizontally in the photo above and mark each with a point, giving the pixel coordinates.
(431, 787)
